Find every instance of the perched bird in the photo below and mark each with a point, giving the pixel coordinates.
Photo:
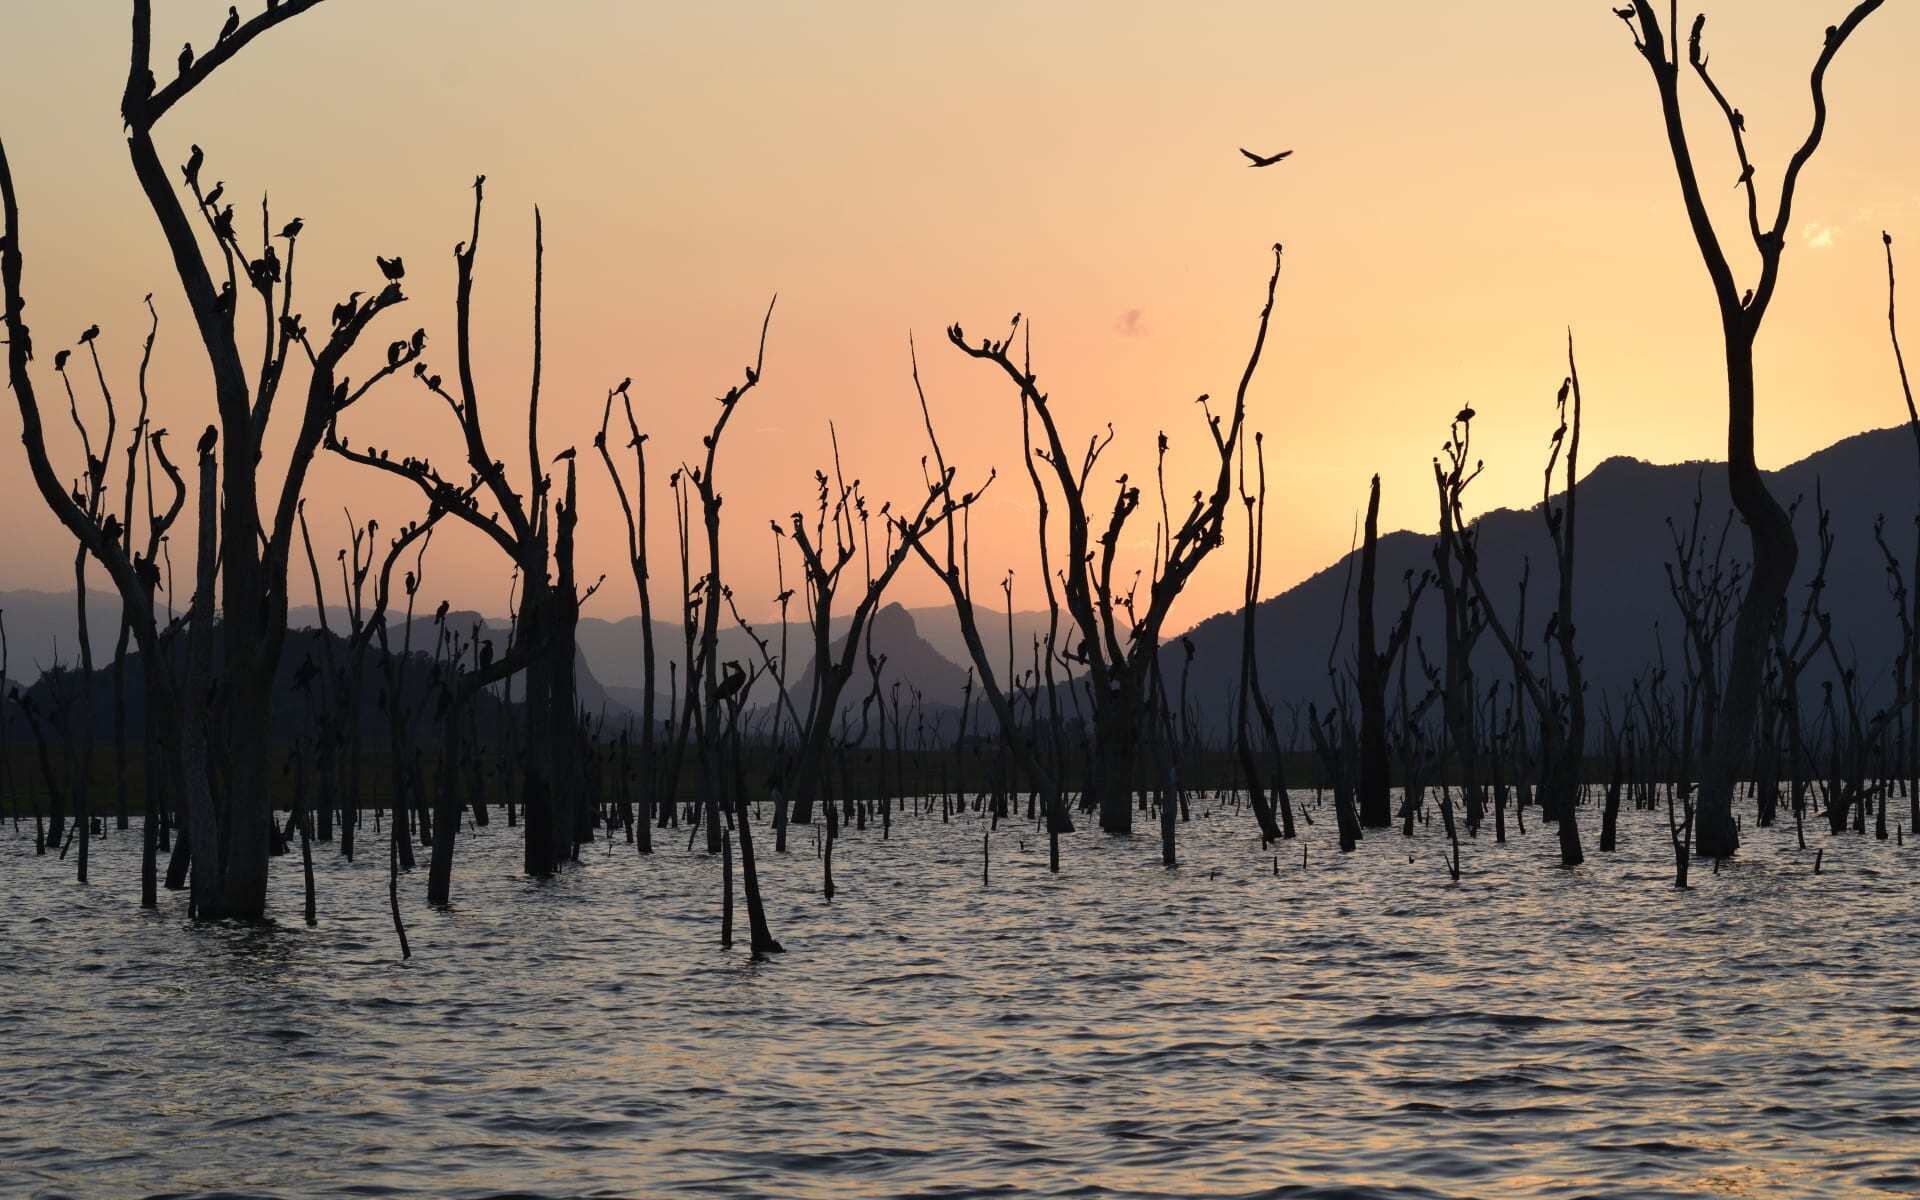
(213, 197)
(293, 229)
(1464, 415)
(265, 270)
(628, 381)
(343, 311)
(564, 456)
(194, 159)
(186, 58)
(1255, 160)
(392, 268)
(233, 23)
(207, 440)
(92, 332)
(60, 359)
(735, 680)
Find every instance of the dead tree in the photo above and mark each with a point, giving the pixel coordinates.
(535, 532)
(253, 550)
(704, 703)
(841, 532)
(633, 508)
(1912, 621)
(1561, 709)
(1116, 648)
(1374, 665)
(1256, 506)
(955, 569)
(104, 536)
(1463, 617)
(1775, 549)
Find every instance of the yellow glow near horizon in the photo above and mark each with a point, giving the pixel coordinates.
(1465, 188)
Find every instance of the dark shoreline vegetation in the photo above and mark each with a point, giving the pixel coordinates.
(417, 772)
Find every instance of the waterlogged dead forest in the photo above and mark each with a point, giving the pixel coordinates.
(366, 783)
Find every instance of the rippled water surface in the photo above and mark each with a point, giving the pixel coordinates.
(1353, 1026)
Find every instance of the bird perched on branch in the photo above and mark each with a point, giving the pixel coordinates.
(194, 159)
(1464, 415)
(735, 680)
(1256, 160)
(343, 311)
(564, 456)
(186, 58)
(293, 228)
(233, 23)
(392, 268)
(207, 440)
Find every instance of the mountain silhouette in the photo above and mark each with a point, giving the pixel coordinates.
(910, 660)
(1624, 614)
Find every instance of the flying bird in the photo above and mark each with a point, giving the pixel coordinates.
(1256, 160)
(233, 23)
(392, 268)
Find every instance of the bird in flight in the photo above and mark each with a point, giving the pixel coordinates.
(1256, 160)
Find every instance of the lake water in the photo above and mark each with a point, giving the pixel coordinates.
(1358, 1026)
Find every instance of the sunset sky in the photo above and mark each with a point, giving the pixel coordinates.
(1469, 182)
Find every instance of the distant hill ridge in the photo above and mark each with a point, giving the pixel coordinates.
(1623, 611)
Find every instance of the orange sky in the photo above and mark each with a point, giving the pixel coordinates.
(1468, 182)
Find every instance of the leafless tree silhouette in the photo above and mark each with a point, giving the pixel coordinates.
(1775, 549)
(1119, 672)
